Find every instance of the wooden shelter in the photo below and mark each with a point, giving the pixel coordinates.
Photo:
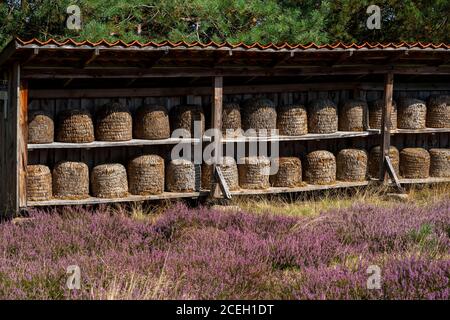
(55, 76)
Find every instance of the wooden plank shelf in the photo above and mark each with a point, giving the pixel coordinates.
(308, 187)
(108, 144)
(130, 198)
(413, 131)
(426, 130)
(309, 136)
(424, 181)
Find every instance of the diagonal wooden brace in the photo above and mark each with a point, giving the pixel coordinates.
(390, 170)
(220, 188)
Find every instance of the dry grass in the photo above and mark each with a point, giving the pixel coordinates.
(313, 204)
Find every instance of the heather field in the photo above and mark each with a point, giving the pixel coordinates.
(202, 253)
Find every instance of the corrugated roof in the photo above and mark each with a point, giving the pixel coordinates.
(241, 45)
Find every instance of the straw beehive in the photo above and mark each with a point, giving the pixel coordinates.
(289, 172)
(440, 163)
(254, 172)
(71, 180)
(438, 112)
(351, 165)
(260, 115)
(114, 123)
(75, 126)
(109, 181)
(411, 113)
(151, 122)
(231, 120)
(39, 183)
(146, 175)
(376, 113)
(292, 120)
(40, 127)
(180, 176)
(322, 116)
(351, 115)
(374, 161)
(320, 167)
(414, 163)
(185, 117)
(229, 170)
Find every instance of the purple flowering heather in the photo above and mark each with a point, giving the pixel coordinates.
(206, 254)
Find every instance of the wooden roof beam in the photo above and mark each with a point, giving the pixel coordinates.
(102, 72)
(221, 58)
(342, 58)
(92, 56)
(397, 57)
(31, 56)
(285, 58)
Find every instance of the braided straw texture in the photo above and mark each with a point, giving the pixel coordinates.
(351, 165)
(414, 163)
(320, 167)
(146, 175)
(109, 181)
(71, 180)
(151, 122)
(39, 183)
(322, 116)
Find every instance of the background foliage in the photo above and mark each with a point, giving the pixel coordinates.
(294, 21)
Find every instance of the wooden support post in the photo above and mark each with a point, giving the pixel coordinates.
(22, 142)
(385, 124)
(14, 146)
(216, 124)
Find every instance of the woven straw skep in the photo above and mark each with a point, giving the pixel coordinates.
(41, 128)
(320, 167)
(229, 170)
(39, 183)
(75, 126)
(414, 163)
(375, 158)
(292, 120)
(411, 114)
(351, 165)
(146, 175)
(438, 111)
(254, 172)
(376, 114)
(289, 173)
(114, 123)
(440, 163)
(71, 180)
(185, 117)
(109, 181)
(180, 176)
(260, 115)
(231, 120)
(151, 122)
(352, 115)
(322, 116)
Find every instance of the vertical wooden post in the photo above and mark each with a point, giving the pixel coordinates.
(216, 122)
(22, 142)
(14, 147)
(386, 124)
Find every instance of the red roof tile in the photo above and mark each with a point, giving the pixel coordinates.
(272, 46)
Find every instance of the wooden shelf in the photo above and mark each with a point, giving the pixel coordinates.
(309, 136)
(424, 181)
(309, 187)
(109, 144)
(426, 130)
(130, 198)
